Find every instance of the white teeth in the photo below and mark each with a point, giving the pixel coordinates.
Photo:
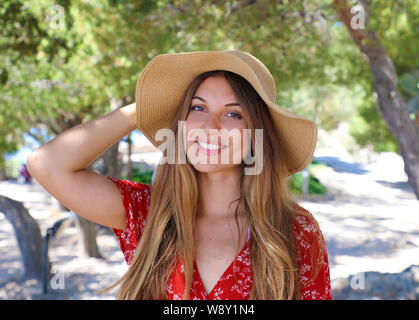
(209, 146)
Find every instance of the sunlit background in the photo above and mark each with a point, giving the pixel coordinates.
(335, 62)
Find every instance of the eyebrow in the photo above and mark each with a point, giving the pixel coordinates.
(226, 105)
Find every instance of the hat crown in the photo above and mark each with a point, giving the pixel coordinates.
(261, 71)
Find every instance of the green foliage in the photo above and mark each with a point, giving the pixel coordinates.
(12, 168)
(396, 24)
(409, 87)
(138, 176)
(326, 105)
(409, 83)
(314, 185)
(367, 127)
(56, 78)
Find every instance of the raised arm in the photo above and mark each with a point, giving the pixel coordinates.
(60, 167)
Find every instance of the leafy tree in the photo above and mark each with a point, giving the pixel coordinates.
(390, 103)
(59, 77)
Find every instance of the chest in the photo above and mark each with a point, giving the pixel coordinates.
(216, 248)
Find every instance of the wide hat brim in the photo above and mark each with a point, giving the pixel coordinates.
(164, 80)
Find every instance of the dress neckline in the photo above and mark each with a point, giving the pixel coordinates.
(226, 271)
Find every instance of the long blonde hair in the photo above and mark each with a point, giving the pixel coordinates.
(265, 203)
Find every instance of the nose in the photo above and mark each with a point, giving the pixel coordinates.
(211, 122)
(211, 128)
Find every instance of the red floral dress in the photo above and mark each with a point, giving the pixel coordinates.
(136, 199)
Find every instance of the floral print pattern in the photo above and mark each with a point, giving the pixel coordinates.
(236, 281)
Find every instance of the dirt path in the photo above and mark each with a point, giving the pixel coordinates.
(370, 219)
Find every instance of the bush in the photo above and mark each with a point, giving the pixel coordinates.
(142, 177)
(314, 185)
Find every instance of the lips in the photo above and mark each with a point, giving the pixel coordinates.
(211, 146)
(210, 149)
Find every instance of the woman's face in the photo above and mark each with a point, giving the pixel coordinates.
(215, 140)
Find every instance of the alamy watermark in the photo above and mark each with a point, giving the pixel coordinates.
(56, 17)
(221, 147)
(58, 280)
(358, 281)
(358, 18)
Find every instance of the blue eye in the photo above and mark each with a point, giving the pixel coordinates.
(235, 114)
(196, 106)
(238, 116)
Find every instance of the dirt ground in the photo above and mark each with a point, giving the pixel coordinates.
(76, 276)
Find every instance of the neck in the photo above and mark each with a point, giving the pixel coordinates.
(217, 190)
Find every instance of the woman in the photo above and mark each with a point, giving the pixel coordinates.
(208, 228)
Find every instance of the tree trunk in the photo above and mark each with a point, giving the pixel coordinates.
(28, 235)
(111, 165)
(88, 237)
(389, 101)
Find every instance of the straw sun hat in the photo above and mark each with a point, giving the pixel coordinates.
(163, 81)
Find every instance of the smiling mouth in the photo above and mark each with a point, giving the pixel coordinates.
(210, 146)
(209, 149)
